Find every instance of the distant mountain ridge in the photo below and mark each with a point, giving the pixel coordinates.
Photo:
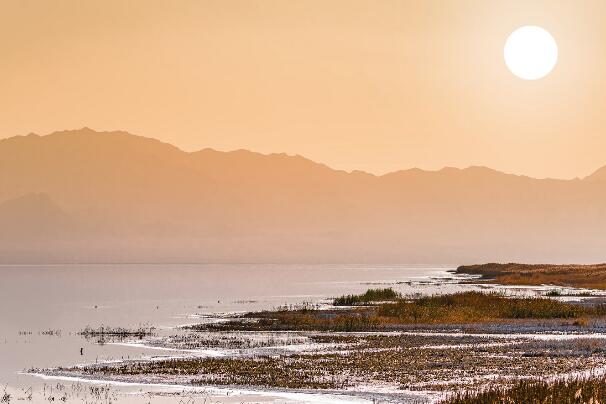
(598, 175)
(87, 196)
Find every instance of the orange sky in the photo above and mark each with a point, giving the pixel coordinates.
(372, 85)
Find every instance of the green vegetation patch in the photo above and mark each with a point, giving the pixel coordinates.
(371, 295)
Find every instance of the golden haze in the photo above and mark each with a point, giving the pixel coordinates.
(371, 85)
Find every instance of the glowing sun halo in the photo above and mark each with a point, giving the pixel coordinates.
(530, 52)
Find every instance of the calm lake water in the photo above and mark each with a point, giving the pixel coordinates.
(42, 308)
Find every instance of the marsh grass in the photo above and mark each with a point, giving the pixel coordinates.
(458, 308)
(411, 362)
(293, 372)
(73, 392)
(371, 295)
(6, 397)
(474, 306)
(566, 391)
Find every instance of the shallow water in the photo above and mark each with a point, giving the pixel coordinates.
(42, 308)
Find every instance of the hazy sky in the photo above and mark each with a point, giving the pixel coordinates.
(372, 85)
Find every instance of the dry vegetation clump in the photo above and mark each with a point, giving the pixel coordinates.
(371, 295)
(558, 293)
(296, 372)
(565, 391)
(229, 340)
(581, 276)
(104, 334)
(5, 397)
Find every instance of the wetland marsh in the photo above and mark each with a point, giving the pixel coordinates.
(339, 334)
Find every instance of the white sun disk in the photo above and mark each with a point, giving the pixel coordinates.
(530, 52)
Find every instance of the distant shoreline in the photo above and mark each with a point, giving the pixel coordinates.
(570, 275)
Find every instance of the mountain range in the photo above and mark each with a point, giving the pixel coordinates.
(85, 196)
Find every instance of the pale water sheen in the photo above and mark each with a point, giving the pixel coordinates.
(42, 308)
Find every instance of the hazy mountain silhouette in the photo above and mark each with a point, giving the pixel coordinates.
(33, 216)
(85, 196)
(599, 175)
